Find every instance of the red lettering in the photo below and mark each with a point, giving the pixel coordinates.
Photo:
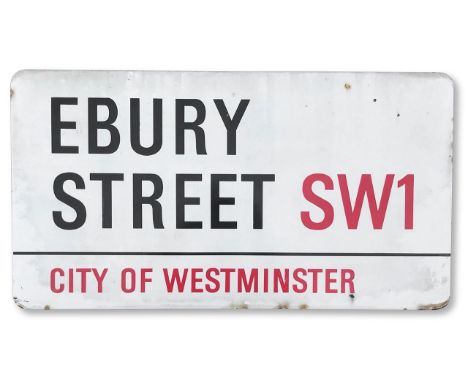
(347, 277)
(100, 278)
(265, 280)
(84, 273)
(324, 205)
(175, 279)
(242, 282)
(329, 281)
(298, 276)
(53, 280)
(365, 188)
(70, 280)
(195, 280)
(408, 183)
(124, 281)
(315, 273)
(227, 278)
(215, 284)
(278, 279)
(144, 279)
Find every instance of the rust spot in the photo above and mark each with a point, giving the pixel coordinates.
(12, 93)
(347, 86)
(242, 305)
(438, 306)
(303, 306)
(284, 305)
(18, 302)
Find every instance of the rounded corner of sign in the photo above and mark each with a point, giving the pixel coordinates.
(20, 303)
(448, 78)
(25, 304)
(436, 306)
(17, 75)
(445, 306)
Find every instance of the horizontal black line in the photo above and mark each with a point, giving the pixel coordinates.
(291, 254)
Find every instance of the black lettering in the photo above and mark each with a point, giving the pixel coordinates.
(257, 180)
(94, 125)
(152, 200)
(217, 201)
(231, 124)
(57, 125)
(182, 201)
(135, 129)
(182, 125)
(106, 180)
(69, 200)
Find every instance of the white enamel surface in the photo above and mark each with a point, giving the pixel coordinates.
(296, 124)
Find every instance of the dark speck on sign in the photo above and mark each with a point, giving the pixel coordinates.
(375, 99)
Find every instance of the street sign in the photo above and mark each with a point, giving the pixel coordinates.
(242, 190)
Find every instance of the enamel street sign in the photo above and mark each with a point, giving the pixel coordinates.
(136, 189)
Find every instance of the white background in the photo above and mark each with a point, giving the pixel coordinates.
(241, 345)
